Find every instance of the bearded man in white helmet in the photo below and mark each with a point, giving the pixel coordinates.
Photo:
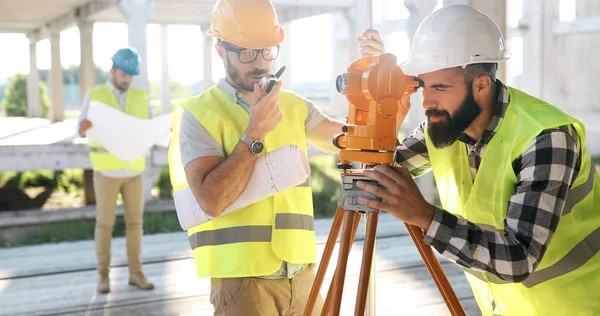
(520, 195)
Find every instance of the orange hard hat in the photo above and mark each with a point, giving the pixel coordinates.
(246, 23)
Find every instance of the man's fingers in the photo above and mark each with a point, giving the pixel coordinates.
(399, 180)
(403, 172)
(378, 205)
(369, 51)
(385, 177)
(256, 93)
(275, 91)
(375, 190)
(372, 34)
(372, 43)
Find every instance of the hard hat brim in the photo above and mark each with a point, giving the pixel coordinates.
(415, 68)
(240, 41)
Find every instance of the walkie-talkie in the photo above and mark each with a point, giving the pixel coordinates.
(270, 81)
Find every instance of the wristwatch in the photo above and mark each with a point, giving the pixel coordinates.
(256, 146)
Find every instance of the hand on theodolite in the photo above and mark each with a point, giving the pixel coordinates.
(401, 196)
(371, 44)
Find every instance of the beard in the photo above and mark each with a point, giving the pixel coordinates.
(238, 78)
(445, 132)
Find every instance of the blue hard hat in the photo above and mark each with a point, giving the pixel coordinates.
(128, 60)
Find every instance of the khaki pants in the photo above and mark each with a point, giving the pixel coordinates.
(132, 191)
(262, 297)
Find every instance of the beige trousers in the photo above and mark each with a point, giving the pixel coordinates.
(262, 297)
(132, 191)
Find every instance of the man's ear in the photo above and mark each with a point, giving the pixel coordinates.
(482, 86)
(220, 51)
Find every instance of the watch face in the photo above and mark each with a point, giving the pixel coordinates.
(257, 147)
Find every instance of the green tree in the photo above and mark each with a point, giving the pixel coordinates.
(15, 103)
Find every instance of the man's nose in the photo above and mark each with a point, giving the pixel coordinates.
(260, 62)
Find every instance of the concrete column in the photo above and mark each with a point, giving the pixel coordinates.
(34, 101)
(419, 10)
(285, 57)
(137, 13)
(87, 79)
(56, 76)
(549, 57)
(341, 58)
(87, 69)
(497, 11)
(207, 51)
(165, 80)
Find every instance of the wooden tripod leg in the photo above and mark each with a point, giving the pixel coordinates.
(331, 240)
(340, 272)
(436, 272)
(367, 260)
(327, 304)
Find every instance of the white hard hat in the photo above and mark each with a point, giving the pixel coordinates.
(453, 36)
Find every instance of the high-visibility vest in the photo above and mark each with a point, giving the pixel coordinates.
(567, 280)
(136, 104)
(256, 239)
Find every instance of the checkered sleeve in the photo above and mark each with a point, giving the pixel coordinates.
(545, 172)
(412, 153)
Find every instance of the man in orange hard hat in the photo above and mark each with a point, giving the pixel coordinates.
(261, 258)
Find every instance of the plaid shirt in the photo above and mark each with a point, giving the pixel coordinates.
(545, 172)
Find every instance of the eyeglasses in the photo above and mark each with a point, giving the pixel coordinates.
(246, 55)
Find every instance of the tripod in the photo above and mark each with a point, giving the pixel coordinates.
(348, 215)
(374, 86)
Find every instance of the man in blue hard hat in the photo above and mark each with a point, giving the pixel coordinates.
(112, 175)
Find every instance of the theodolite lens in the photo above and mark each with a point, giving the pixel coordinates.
(341, 83)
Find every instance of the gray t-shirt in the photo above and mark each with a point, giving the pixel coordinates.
(195, 142)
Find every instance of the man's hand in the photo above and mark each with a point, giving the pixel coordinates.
(265, 112)
(401, 196)
(84, 126)
(370, 43)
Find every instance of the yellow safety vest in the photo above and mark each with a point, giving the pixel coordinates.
(254, 240)
(567, 280)
(136, 105)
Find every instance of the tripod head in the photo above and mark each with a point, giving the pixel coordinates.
(374, 86)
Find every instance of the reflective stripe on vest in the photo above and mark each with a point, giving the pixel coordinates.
(240, 234)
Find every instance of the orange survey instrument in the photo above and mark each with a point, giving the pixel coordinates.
(374, 87)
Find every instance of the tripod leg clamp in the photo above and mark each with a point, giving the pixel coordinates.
(350, 193)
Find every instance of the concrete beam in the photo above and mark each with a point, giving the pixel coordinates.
(73, 17)
(286, 15)
(312, 3)
(581, 25)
